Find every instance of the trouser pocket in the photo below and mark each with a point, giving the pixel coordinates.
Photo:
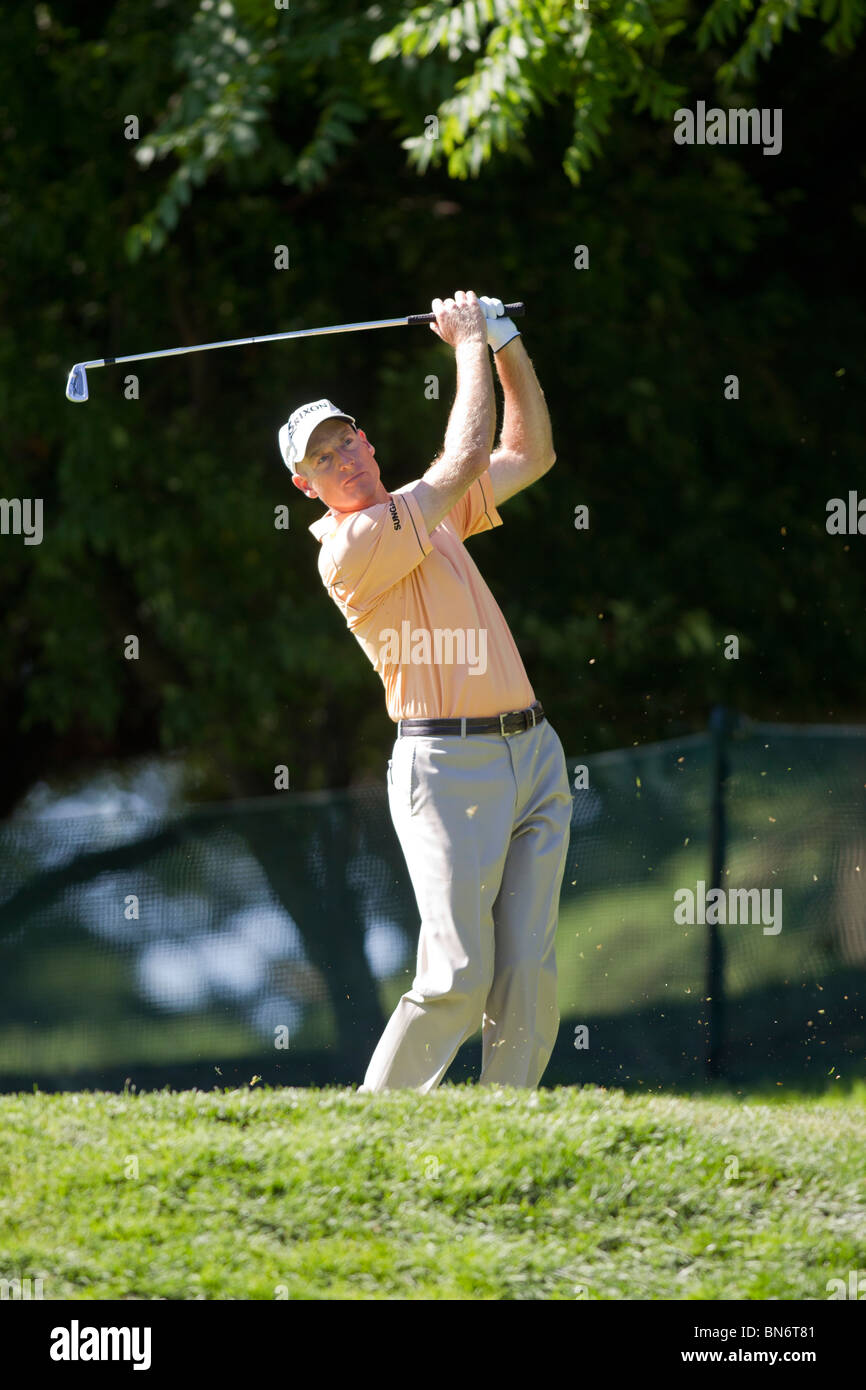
(401, 774)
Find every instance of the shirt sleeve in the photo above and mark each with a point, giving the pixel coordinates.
(476, 511)
(373, 550)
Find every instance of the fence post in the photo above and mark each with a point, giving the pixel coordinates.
(722, 721)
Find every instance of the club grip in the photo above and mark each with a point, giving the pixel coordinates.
(512, 311)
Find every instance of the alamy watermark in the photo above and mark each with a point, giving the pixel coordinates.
(22, 516)
(846, 518)
(737, 126)
(21, 1290)
(438, 646)
(77, 1343)
(736, 905)
(855, 1287)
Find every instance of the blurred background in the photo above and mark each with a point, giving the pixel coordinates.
(190, 172)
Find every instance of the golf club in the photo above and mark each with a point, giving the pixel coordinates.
(76, 386)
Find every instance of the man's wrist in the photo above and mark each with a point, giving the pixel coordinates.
(506, 359)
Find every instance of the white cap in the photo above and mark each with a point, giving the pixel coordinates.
(294, 435)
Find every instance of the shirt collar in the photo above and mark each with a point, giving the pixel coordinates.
(325, 525)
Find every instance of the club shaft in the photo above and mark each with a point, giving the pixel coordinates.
(510, 309)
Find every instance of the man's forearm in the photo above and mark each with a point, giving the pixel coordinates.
(491, 438)
(472, 421)
(526, 428)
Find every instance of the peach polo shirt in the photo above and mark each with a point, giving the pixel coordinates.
(417, 604)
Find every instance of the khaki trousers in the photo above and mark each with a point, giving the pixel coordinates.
(484, 825)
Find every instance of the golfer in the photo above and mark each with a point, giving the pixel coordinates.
(477, 783)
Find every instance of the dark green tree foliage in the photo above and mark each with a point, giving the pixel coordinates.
(308, 128)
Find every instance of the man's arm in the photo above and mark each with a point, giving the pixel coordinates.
(526, 449)
(472, 422)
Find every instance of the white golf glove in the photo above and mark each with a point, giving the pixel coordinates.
(500, 330)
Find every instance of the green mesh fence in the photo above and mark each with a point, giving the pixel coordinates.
(274, 937)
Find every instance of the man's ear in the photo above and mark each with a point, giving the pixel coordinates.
(306, 488)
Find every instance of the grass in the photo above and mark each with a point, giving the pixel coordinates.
(468, 1193)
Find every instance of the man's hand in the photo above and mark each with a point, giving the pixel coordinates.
(459, 320)
(500, 329)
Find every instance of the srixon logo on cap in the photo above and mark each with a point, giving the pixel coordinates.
(309, 409)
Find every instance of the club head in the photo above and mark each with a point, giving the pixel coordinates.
(76, 386)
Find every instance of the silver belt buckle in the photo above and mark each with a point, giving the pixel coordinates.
(526, 724)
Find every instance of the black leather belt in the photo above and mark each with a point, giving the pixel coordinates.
(515, 722)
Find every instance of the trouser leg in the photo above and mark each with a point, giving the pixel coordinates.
(521, 1014)
(452, 803)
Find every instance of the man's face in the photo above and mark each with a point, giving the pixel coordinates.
(340, 468)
